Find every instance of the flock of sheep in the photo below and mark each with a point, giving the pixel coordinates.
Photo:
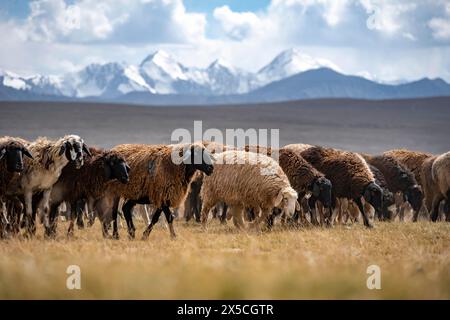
(303, 184)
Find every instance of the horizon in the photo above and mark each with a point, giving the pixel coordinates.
(386, 42)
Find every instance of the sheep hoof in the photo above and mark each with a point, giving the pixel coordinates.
(115, 236)
(369, 226)
(173, 236)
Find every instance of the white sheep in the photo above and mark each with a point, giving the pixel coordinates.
(247, 180)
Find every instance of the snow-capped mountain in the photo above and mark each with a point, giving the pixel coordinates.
(288, 63)
(226, 79)
(162, 79)
(161, 73)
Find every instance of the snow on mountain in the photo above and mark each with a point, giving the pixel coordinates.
(160, 70)
(225, 79)
(290, 75)
(288, 63)
(12, 80)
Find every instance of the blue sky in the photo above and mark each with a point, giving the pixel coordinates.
(379, 39)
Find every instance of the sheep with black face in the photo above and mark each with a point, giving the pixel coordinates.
(349, 174)
(87, 183)
(12, 152)
(159, 175)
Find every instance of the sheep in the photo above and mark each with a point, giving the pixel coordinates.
(159, 175)
(435, 175)
(388, 196)
(412, 160)
(349, 174)
(192, 204)
(88, 182)
(41, 172)
(304, 178)
(12, 152)
(398, 179)
(247, 180)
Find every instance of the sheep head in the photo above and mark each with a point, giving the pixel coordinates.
(73, 146)
(373, 194)
(13, 153)
(287, 201)
(321, 190)
(116, 168)
(414, 196)
(197, 156)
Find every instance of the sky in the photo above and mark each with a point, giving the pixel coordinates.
(383, 40)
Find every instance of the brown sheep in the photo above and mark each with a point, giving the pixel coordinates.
(412, 160)
(88, 182)
(304, 178)
(349, 174)
(156, 178)
(398, 179)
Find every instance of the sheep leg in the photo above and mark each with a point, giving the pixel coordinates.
(402, 211)
(271, 219)
(91, 214)
(312, 210)
(115, 210)
(363, 212)
(73, 215)
(149, 228)
(127, 209)
(50, 230)
(28, 196)
(204, 213)
(169, 218)
(435, 211)
(238, 219)
(223, 215)
(80, 211)
(197, 210)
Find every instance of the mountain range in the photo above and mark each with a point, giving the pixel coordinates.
(161, 79)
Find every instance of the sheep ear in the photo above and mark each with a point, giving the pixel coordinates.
(279, 198)
(27, 153)
(2, 153)
(86, 149)
(62, 150)
(297, 206)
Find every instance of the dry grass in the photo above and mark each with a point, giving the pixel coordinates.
(222, 263)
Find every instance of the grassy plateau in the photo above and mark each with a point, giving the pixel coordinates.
(222, 263)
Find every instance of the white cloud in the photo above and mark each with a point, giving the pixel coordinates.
(241, 25)
(440, 27)
(113, 21)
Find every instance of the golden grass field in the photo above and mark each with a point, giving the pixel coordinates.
(221, 263)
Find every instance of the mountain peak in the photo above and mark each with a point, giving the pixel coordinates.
(221, 63)
(158, 57)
